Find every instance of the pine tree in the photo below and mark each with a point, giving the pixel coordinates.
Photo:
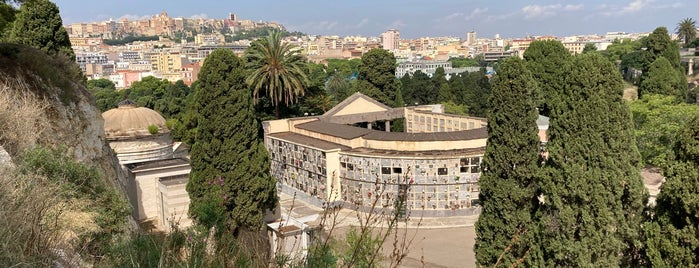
(38, 24)
(504, 229)
(592, 196)
(673, 235)
(230, 185)
(545, 60)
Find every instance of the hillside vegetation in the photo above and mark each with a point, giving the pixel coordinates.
(59, 200)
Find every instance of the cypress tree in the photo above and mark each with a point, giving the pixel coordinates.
(378, 68)
(230, 185)
(504, 229)
(662, 78)
(592, 196)
(38, 24)
(545, 60)
(673, 235)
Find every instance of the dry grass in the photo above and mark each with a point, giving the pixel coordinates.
(22, 116)
(31, 213)
(630, 92)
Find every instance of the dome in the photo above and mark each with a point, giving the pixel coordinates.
(130, 121)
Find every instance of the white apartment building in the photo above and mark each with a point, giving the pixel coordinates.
(390, 39)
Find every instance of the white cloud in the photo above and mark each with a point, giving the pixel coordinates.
(135, 17)
(362, 23)
(327, 25)
(199, 16)
(453, 16)
(543, 11)
(476, 13)
(638, 6)
(573, 7)
(397, 24)
(537, 11)
(635, 6)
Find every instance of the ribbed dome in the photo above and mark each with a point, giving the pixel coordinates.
(128, 121)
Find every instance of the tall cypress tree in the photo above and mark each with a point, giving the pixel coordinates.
(378, 70)
(39, 25)
(662, 78)
(508, 194)
(659, 44)
(545, 59)
(592, 193)
(673, 235)
(230, 185)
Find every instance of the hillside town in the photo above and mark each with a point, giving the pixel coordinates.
(179, 46)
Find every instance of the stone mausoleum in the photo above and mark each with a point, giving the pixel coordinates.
(342, 156)
(155, 180)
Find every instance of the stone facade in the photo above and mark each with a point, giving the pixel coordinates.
(326, 159)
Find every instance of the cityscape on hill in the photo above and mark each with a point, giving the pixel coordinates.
(125, 51)
(349, 134)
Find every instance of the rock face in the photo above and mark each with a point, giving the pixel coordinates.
(71, 118)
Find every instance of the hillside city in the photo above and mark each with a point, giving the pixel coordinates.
(159, 141)
(179, 46)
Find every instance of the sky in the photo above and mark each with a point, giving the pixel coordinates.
(413, 18)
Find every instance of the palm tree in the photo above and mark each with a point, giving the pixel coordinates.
(687, 30)
(277, 69)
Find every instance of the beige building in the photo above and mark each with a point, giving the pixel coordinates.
(434, 165)
(168, 62)
(575, 47)
(156, 180)
(390, 39)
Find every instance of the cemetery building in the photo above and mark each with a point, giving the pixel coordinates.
(155, 178)
(343, 156)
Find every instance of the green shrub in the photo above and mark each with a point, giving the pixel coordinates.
(153, 129)
(79, 181)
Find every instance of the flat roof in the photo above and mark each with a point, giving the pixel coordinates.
(161, 163)
(335, 130)
(471, 134)
(308, 141)
(352, 132)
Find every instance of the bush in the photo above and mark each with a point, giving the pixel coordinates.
(30, 211)
(77, 181)
(657, 118)
(153, 129)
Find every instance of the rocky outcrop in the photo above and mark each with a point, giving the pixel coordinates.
(68, 117)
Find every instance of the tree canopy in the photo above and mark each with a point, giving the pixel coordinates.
(230, 185)
(377, 76)
(545, 59)
(662, 78)
(673, 234)
(592, 196)
(686, 30)
(505, 228)
(657, 119)
(277, 70)
(38, 24)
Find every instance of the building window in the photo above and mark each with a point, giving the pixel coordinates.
(385, 170)
(350, 166)
(397, 170)
(442, 171)
(343, 164)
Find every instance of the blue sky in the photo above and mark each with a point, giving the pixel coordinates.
(413, 18)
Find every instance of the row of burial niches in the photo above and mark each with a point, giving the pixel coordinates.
(300, 167)
(437, 184)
